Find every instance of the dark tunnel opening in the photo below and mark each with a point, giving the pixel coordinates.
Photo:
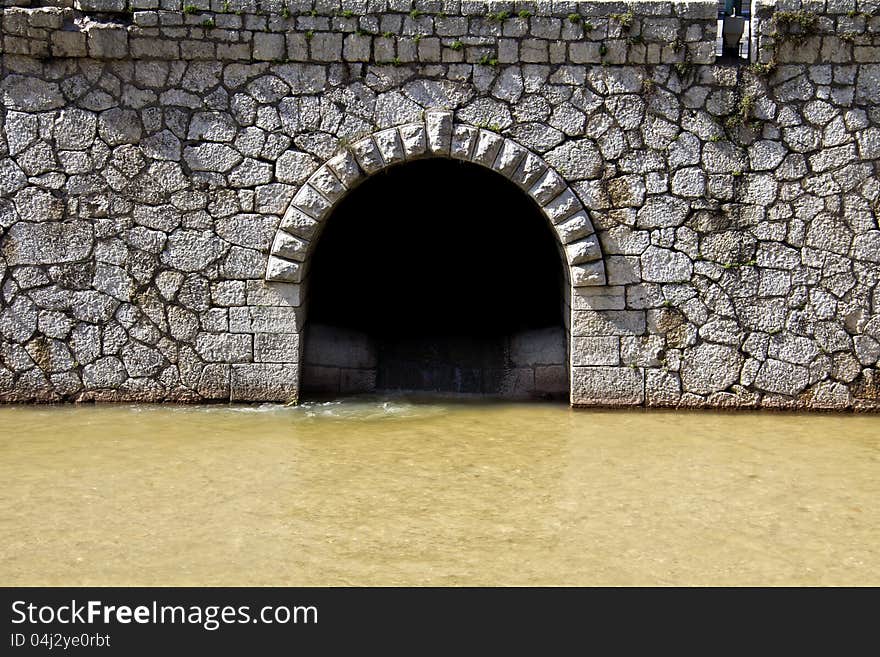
(436, 275)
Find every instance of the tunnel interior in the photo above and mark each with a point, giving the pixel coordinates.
(436, 275)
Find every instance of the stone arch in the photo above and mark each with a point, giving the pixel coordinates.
(437, 136)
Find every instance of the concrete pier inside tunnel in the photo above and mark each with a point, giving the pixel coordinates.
(436, 275)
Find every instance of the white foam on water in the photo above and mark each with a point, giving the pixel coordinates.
(360, 408)
(367, 409)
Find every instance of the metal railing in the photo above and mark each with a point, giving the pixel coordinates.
(734, 42)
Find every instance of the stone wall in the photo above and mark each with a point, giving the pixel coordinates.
(338, 361)
(527, 365)
(165, 171)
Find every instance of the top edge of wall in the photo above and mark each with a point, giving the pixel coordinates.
(707, 8)
(369, 31)
(548, 7)
(577, 32)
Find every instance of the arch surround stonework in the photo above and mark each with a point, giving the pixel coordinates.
(438, 136)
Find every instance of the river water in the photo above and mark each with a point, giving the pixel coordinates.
(393, 492)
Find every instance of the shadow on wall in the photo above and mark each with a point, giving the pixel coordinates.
(439, 276)
(525, 365)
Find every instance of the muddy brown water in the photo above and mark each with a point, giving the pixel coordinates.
(393, 492)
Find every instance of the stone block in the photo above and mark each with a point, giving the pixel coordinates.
(562, 207)
(219, 158)
(782, 378)
(583, 250)
(867, 246)
(330, 346)
(48, 243)
(213, 382)
(644, 351)
(538, 347)
(276, 348)
(509, 158)
(607, 322)
(368, 157)
(710, 368)
(551, 380)
(438, 125)
(662, 388)
(106, 372)
(107, 41)
(192, 250)
(585, 52)
(574, 229)
(265, 382)
(463, 140)
(269, 47)
(265, 293)
(357, 381)
(595, 351)
(390, 147)
(599, 298)
(345, 167)
(224, 347)
(326, 47)
(311, 202)
(279, 269)
(607, 386)
(829, 395)
(792, 348)
(266, 319)
(101, 6)
(530, 170)
(665, 266)
(69, 44)
(517, 382)
(156, 48)
(413, 140)
(317, 378)
(357, 48)
(589, 274)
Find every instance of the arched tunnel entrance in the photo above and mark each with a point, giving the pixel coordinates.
(436, 275)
